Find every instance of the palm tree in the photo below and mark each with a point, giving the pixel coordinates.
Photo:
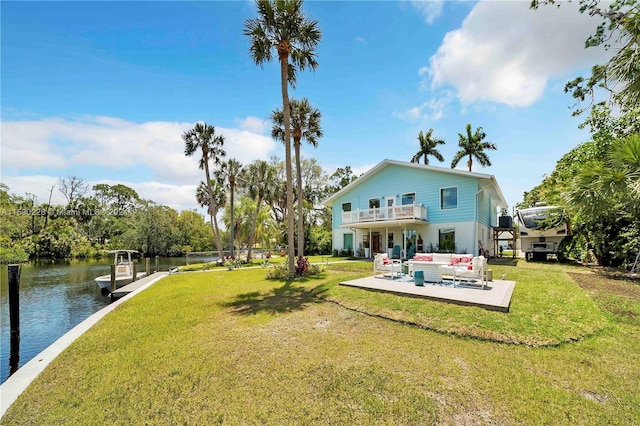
(282, 26)
(203, 197)
(428, 146)
(473, 146)
(227, 174)
(203, 137)
(259, 179)
(305, 124)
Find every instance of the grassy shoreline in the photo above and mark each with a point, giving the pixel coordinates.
(232, 347)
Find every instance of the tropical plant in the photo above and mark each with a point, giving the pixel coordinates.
(258, 180)
(203, 137)
(227, 175)
(203, 197)
(472, 145)
(428, 146)
(305, 124)
(283, 27)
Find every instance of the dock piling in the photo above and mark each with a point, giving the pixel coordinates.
(113, 278)
(14, 316)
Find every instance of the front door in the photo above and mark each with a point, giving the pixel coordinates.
(376, 243)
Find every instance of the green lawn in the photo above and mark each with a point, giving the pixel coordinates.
(231, 347)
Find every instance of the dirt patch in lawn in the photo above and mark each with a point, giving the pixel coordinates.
(605, 281)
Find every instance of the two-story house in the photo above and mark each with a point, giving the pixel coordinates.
(415, 208)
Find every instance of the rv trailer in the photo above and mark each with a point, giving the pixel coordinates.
(542, 229)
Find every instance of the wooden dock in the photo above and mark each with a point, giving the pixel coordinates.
(123, 291)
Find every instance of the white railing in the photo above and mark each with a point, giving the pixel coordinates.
(385, 214)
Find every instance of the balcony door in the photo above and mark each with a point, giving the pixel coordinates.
(390, 201)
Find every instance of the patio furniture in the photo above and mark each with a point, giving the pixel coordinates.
(382, 264)
(474, 270)
(396, 252)
(418, 278)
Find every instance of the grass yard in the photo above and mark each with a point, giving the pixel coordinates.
(231, 347)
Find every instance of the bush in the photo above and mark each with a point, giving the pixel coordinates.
(302, 269)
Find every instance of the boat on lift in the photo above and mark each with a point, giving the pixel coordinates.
(124, 271)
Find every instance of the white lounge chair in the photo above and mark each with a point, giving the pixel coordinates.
(475, 271)
(382, 264)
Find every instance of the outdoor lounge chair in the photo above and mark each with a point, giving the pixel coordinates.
(474, 270)
(383, 265)
(396, 252)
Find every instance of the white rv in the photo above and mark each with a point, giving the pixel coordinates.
(542, 229)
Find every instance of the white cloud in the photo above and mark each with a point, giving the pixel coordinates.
(506, 53)
(429, 9)
(360, 39)
(432, 110)
(148, 157)
(253, 124)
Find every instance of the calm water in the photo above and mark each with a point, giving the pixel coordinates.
(54, 298)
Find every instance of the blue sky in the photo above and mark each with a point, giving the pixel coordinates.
(104, 90)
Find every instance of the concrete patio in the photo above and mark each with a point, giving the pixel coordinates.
(496, 296)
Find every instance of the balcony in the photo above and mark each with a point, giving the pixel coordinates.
(386, 214)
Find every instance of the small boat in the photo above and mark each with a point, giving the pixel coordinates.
(124, 272)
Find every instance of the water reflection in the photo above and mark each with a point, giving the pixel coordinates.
(54, 298)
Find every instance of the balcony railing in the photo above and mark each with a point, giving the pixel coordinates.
(386, 214)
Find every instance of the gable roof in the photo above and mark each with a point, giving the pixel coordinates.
(488, 182)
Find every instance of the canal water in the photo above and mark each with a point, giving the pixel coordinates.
(54, 298)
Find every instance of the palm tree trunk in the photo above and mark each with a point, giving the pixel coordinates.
(470, 162)
(253, 226)
(218, 239)
(296, 145)
(212, 203)
(232, 226)
(284, 82)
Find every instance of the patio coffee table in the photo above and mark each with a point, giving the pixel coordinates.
(432, 271)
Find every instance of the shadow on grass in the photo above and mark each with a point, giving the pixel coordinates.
(503, 261)
(290, 297)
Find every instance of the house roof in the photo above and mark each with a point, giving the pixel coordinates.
(488, 182)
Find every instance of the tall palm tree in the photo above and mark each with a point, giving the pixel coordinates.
(227, 175)
(259, 179)
(283, 27)
(305, 124)
(203, 197)
(472, 144)
(428, 146)
(203, 137)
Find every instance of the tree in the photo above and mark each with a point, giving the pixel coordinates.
(605, 197)
(305, 124)
(282, 26)
(472, 145)
(227, 175)
(339, 179)
(204, 197)
(259, 178)
(72, 188)
(428, 146)
(621, 74)
(203, 137)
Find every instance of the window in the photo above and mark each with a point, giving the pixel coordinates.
(449, 198)
(374, 203)
(447, 240)
(347, 242)
(408, 198)
(346, 207)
